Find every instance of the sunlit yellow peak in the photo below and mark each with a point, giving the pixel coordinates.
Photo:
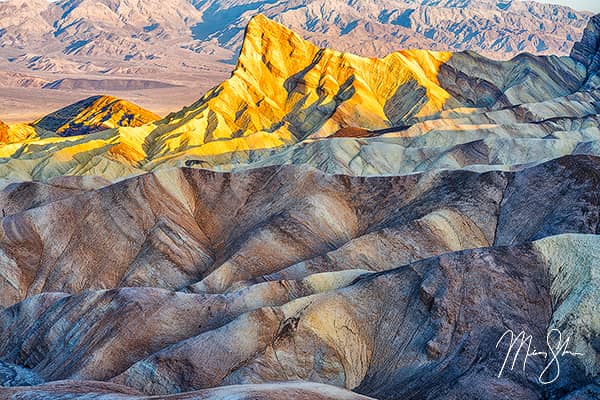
(95, 114)
(284, 80)
(268, 42)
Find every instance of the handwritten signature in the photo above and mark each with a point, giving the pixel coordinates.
(556, 346)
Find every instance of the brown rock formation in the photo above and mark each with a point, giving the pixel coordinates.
(379, 336)
(311, 277)
(18, 197)
(140, 239)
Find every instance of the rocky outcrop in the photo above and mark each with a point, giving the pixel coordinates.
(587, 51)
(3, 132)
(14, 375)
(95, 114)
(287, 273)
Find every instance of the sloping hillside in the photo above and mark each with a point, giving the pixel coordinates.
(286, 91)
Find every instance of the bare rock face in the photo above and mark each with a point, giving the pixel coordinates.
(95, 114)
(387, 286)
(3, 131)
(14, 375)
(587, 51)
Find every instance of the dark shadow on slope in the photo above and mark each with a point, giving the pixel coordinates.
(405, 103)
(55, 120)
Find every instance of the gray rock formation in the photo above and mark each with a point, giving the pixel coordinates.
(587, 51)
(14, 375)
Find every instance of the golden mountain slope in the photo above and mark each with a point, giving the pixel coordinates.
(87, 116)
(95, 114)
(70, 137)
(290, 88)
(283, 89)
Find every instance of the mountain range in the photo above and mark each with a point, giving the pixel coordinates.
(286, 93)
(133, 30)
(107, 45)
(320, 225)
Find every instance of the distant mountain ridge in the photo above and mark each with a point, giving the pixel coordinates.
(80, 35)
(498, 29)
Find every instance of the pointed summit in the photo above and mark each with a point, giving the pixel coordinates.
(94, 114)
(268, 42)
(285, 89)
